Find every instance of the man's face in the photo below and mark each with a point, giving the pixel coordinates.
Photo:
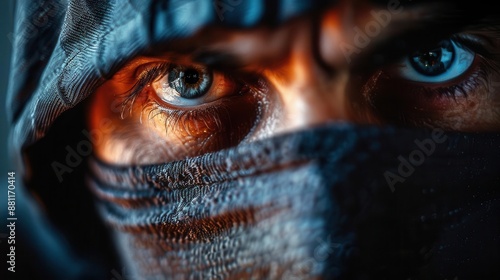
(386, 63)
(381, 63)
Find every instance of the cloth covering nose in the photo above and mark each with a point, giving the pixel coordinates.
(336, 201)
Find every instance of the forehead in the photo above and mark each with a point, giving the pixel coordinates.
(251, 35)
(245, 13)
(248, 27)
(230, 18)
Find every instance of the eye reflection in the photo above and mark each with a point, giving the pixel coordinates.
(444, 62)
(181, 83)
(191, 85)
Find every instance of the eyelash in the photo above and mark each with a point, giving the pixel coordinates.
(203, 123)
(474, 78)
(145, 79)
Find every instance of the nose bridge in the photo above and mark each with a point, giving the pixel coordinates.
(309, 93)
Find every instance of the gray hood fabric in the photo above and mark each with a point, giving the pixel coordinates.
(315, 203)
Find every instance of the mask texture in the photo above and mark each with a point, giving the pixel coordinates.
(338, 201)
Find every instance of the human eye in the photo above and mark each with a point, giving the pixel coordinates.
(445, 62)
(181, 86)
(183, 109)
(448, 85)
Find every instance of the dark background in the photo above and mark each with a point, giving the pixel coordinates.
(6, 18)
(41, 252)
(6, 22)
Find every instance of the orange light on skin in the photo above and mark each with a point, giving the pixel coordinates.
(309, 95)
(331, 37)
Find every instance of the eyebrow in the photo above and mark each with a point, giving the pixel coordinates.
(441, 20)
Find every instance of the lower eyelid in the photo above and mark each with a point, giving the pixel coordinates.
(213, 126)
(456, 87)
(396, 100)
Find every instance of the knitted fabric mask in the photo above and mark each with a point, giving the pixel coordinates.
(338, 201)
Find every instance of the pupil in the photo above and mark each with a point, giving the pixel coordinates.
(191, 76)
(436, 61)
(189, 83)
(431, 58)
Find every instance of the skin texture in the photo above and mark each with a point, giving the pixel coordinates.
(300, 77)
